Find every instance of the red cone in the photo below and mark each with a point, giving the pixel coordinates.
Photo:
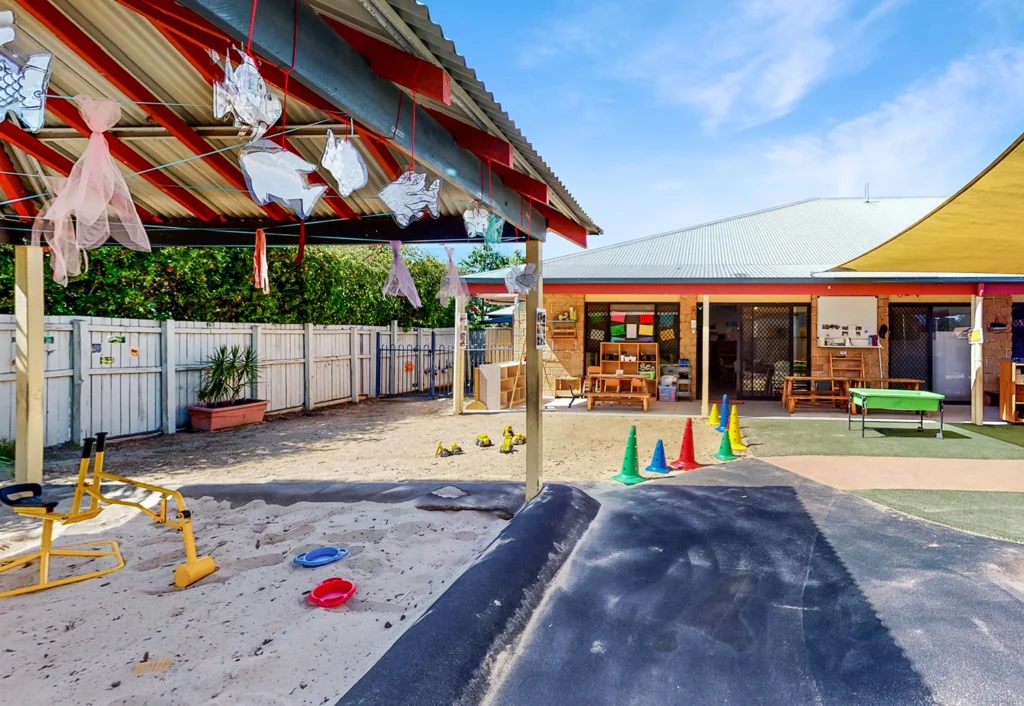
(686, 460)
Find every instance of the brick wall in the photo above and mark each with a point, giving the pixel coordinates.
(687, 336)
(564, 356)
(998, 344)
(872, 367)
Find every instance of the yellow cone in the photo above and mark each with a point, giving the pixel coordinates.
(714, 420)
(735, 438)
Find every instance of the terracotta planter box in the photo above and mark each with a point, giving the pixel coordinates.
(236, 415)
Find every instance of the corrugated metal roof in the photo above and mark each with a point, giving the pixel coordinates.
(794, 241)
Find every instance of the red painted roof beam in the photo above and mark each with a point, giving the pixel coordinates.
(92, 53)
(483, 144)
(395, 65)
(519, 182)
(565, 227)
(12, 187)
(67, 112)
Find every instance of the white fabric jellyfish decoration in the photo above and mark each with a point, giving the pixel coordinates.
(409, 198)
(243, 93)
(22, 82)
(93, 204)
(272, 173)
(452, 285)
(400, 282)
(345, 164)
(520, 280)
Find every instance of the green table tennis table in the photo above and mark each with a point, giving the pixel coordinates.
(919, 401)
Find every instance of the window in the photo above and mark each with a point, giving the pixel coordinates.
(654, 323)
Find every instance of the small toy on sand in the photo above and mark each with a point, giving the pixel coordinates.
(483, 440)
(442, 452)
(332, 592)
(517, 439)
(320, 557)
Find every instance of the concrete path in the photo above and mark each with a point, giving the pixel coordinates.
(878, 473)
(745, 584)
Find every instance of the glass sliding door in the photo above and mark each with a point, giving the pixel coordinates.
(951, 352)
(773, 343)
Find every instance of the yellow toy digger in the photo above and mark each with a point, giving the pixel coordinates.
(27, 499)
(483, 440)
(442, 452)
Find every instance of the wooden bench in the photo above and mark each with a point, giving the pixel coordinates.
(835, 395)
(627, 397)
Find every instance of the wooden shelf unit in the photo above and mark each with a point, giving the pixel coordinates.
(562, 329)
(1011, 391)
(631, 349)
(497, 385)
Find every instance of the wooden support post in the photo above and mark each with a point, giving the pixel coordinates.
(30, 363)
(459, 363)
(169, 380)
(81, 385)
(307, 367)
(977, 362)
(705, 362)
(534, 378)
(354, 364)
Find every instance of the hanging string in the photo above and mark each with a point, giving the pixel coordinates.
(252, 26)
(288, 73)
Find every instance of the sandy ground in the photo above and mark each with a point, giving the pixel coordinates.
(873, 473)
(392, 441)
(246, 634)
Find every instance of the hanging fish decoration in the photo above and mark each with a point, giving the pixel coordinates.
(400, 283)
(476, 219)
(272, 173)
(408, 198)
(22, 85)
(452, 285)
(520, 280)
(345, 164)
(244, 94)
(495, 227)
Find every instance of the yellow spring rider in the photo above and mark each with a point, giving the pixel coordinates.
(27, 499)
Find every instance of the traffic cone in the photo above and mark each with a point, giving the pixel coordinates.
(714, 420)
(658, 463)
(686, 460)
(723, 423)
(630, 473)
(725, 450)
(735, 438)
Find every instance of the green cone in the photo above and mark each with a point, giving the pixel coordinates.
(725, 449)
(630, 473)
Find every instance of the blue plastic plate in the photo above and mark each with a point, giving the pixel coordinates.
(320, 557)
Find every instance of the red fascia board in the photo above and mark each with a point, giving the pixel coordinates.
(766, 289)
(12, 187)
(483, 144)
(72, 36)
(565, 227)
(67, 112)
(517, 181)
(396, 65)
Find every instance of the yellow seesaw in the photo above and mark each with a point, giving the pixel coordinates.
(27, 499)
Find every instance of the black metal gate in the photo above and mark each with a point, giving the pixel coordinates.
(765, 352)
(411, 370)
(910, 342)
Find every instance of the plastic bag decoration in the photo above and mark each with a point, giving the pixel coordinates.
(452, 285)
(520, 280)
(272, 173)
(96, 195)
(345, 164)
(408, 198)
(495, 227)
(22, 84)
(481, 222)
(400, 282)
(244, 94)
(260, 274)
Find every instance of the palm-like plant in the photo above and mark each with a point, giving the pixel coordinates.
(230, 373)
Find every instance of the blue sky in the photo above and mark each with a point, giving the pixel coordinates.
(659, 114)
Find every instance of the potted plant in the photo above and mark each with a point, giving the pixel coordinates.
(229, 375)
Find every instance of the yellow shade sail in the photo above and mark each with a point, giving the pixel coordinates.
(980, 229)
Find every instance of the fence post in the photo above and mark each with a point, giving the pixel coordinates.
(355, 366)
(420, 370)
(255, 344)
(307, 366)
(81, 387)
(393, 367)
(169, 379)
(377, 358)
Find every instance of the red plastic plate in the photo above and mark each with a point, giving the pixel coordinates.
(332, 592)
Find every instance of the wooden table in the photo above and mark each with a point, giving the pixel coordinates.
(837, 393)
(616, 396)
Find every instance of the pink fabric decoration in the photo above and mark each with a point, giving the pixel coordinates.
(400, 282)
(260, 276)
(452, 285)
(95, 194)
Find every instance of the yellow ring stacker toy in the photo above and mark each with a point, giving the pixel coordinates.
(27, 499)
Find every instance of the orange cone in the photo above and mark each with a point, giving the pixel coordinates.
(686, 461)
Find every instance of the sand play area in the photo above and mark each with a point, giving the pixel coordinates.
(244, 635)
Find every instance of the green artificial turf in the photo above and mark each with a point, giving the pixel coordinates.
(821, 437)
(1010, 433)
(993, 514)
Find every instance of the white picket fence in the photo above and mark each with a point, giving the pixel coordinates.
(132, 376)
